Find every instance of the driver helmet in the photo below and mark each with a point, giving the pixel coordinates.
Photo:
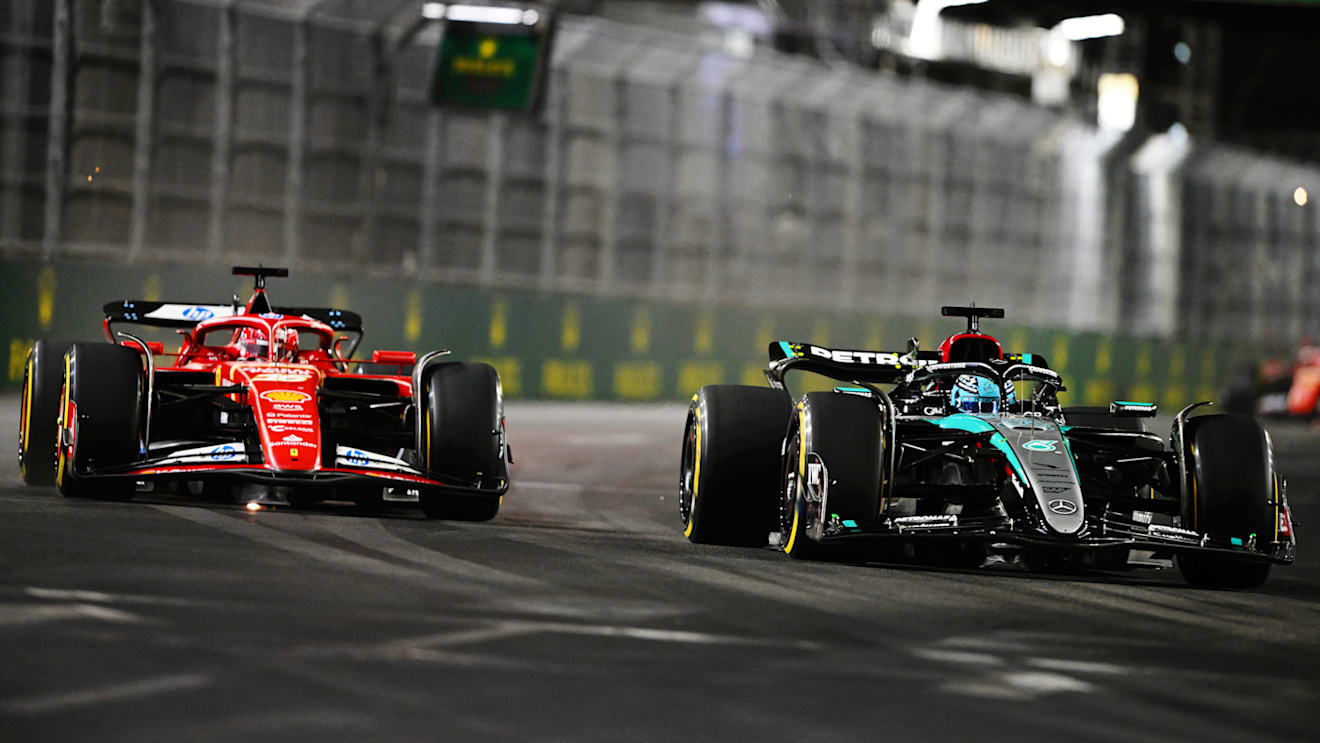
(286, 344)
(252, 344)
(974, 394)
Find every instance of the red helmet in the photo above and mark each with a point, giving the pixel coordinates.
(253, 345)
(286, 343)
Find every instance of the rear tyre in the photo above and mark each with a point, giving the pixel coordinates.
(39, 407)
(838, 438)
(1088, 416)
(1229, 494)
(463, 439)
(101, 411)
(729, 474)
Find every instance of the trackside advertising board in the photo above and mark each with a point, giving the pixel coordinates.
(562, 346)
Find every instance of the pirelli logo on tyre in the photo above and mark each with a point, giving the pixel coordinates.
(285, 396)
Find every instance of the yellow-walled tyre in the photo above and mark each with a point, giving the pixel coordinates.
(101, 409)
(1230, 493)
(836, 436)
(463, 429)
(729, 474)
(39, 407)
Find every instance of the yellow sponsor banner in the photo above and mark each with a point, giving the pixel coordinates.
(510, 371)
(637, 380)
(1098, 392)
(753, 374)
(566, 378)
(18, 351)
(693, 375)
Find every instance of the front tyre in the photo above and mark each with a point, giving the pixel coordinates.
(833, 465)
(463, 438)
(100, 419)
(729, 473)
(39, 409)
(1230, 493)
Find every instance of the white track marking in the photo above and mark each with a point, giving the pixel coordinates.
(245, 527)
(119, 692)
(67, 595)
(1022, 686)
(1078, 666)
(372, 534)
(519, 627)
(18, 616)
(959, 656)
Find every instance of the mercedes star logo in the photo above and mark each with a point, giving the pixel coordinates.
(1063, 506)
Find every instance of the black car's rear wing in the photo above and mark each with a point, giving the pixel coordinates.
(849, 365)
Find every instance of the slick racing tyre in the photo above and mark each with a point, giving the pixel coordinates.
(1099, 417)
(833, 458)
(463, 437)
(101, 404)
(39, 407)
(729, 474)
(1230, 493)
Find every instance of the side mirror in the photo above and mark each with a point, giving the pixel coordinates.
(402, 358)
(1125, 409)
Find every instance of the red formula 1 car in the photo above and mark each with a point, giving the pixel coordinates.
(260, 402)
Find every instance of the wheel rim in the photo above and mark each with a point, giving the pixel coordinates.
(687, 475)
(788, 501)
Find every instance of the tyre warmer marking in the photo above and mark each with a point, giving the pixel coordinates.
(696, 476)
(25, 414)
(1196, 518)
(802, 465)
(64, 418)
(1277, 501)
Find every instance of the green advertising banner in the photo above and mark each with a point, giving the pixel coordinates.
(487, 70)
(589, 348)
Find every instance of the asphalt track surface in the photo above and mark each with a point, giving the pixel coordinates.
(581, 614)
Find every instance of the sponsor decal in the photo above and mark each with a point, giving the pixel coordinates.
(222, 452)
(293, 437)
(272, 316)
(282, 377)
(1063, 506)
(197, 313)
(849, 357)
(282, 427)
(285, 396)
(356, 457)
(1040, 445)
(292, 407)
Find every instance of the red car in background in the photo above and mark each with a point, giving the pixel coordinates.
(265, 404)
(1280, 387)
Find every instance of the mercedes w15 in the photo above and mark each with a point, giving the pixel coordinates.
(965, 453)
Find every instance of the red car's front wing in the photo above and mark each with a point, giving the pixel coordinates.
(325, 477)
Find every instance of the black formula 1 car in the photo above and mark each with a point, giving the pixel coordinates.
(266, 403)
(963, 453)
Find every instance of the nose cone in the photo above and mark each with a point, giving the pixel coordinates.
(283, 399)
(1047, 465)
